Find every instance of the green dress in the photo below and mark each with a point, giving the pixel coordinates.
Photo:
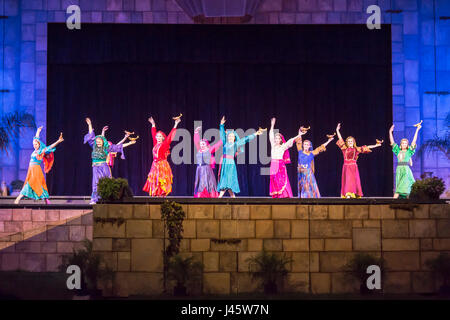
(404, 178)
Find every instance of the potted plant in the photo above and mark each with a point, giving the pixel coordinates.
(427, 189)
(16, 187)
(441, 268)
(92, 271)
(10, 125)
(270, 269)
(185, 271)
(114, 189)
(356, 268)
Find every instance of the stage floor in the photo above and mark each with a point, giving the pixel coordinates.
(82, 202)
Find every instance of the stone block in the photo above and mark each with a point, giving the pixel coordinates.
(38, 215)
(227, 261)
(109, 230)
(273, 244)
(441, 244)
(239, 246)
(207, 229)
(422, 282)
(59, 233)
(320, 283)
(357, 224)
(440, 211)
(403, 214)
(381, 212)
(216, 283)
(141, 211)
(299, 229)
(200, 245)
(264, 229)
(139, 228)
(189, 229)
(10, 261)
(338, 244)
(228, 229)
(33, 262)
(147, 255)
(424, 228)
(197, 211)
(318, 212)
(300, 262)
(356, 212)
(240, 211)
(317, 244)
(334, 261)
(137, 283)
(402, 261)
(443, 228)
(397, 282)
(371, 223)
(336, 212)
(426, 244)
(422, 211)
(260, 212)
(283, 212)
(100, 211)
(6, 214)
(53, 261)
(21, 215)
(210, 261)
(295, 245)
(297, 282)
(243, 260)
(123, 261)
(303, 212)
(341, 283)
(121, 244)
(246, 229)
(425, 257)
(102, 244)
(222, 211)
(124, 211)
(282, 228)
(77, 233)
(400, 244)
(155, 211)
(242, 282)
(331, 229)
(395, 229)
(255, 244)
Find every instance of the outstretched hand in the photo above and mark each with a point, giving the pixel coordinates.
(61, 139)
(272, 121)
(338, 127)
(151, 121)
(392, 128)
(88, 121)
(222, 121)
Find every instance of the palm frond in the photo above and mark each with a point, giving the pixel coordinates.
(437, 143)
(10, 125)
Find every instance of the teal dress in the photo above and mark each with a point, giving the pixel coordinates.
(228, 178)
(404, 178)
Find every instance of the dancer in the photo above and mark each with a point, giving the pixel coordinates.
(205, 181)
(307, 184)
(101, 148)
(35, 186)
(279, 180)
(232, 146)
(160, 178)
(351, 183)
(404, 178)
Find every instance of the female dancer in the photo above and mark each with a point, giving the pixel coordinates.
(307, 185)
(232, 146)
(404, 178)
(279, 180)
(35, 186)
(101, 148)
(205, 181)
(351, 183)
(160, 178)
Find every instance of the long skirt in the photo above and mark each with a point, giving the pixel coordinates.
(205, 182)
(279, 180)
(404, 180)
(351, 183)
(35, 186)
(159, 180)
(307, 184)
(99, 171)
(228, 177)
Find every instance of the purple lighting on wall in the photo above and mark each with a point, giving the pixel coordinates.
(219, 8)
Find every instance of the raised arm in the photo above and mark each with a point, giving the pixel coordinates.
(322, 147)
(197, 137)
(172, 132)
(61, 139)
(153, 130)
(127, 134)
(89, 123)
(215, 146)
(105, 128)
(299, 141)
(290, 142)
(222, 131)
(129, 143)
(38, 132)
(391, 135)
(413, 143)
(271, 134)
(338, 132)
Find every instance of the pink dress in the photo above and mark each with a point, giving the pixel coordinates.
(351, 183)
(279, 180)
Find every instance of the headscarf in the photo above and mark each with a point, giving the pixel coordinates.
(286, 157)
(48, 158)
(310, 150)
(237, 139)
(100, 152)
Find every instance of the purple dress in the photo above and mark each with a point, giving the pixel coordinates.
(100, 168)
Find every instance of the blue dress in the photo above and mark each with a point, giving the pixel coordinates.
(307, 184)
(228, 178)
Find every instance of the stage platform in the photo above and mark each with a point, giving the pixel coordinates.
(82, 202)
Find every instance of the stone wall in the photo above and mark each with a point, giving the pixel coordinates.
(420, 55)
(36, 240)
(320, 239)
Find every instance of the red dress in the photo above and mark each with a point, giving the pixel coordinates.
(160, 178)
(351, 183)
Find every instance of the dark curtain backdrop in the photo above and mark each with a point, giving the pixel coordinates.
(119, 75)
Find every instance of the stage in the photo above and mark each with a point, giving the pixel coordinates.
(82, 202)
